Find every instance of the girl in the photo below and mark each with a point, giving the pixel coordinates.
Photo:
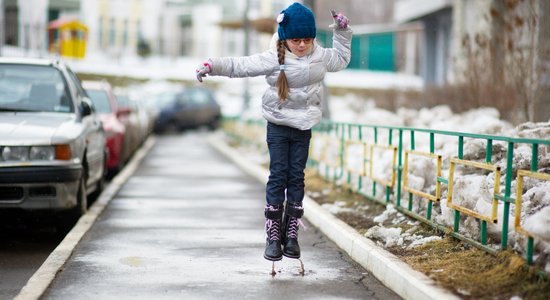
(294, 66)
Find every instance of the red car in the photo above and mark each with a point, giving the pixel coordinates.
(101, 93)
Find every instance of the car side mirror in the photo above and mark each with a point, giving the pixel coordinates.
(86, 107)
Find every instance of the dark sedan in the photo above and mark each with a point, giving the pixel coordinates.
(188, 108)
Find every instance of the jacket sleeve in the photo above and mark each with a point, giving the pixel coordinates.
(246, 66)
(338, 57)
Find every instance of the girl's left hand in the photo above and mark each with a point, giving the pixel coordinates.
(202, 70)
(340, 21)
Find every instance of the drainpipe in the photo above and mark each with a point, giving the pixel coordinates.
(246, 23)
(2, 23)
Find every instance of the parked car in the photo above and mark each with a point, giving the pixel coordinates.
(145, 117)
(52, 145)
(189, 108)
(106, 106)
(128, 115)
(148, 94)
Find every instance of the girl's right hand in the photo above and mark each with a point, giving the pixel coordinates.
(202, 70)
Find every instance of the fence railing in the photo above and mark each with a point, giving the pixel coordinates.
(356, 155)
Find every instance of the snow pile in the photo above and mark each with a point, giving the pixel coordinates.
(424, 240)
(324, 192)
(390, 211)
(394, 236)
(534, 130)
(347, 108)
(388, 236)
(484, 120)
(539, 222)
(337, 207)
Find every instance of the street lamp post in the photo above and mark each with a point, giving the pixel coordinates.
(2, 22)
(246, 23)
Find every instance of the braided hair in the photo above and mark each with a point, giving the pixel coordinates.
(282, 82)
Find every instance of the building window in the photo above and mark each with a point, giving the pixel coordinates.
(101, 35)
(112, 32)
(125, 33)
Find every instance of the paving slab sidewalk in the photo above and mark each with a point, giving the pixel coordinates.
(188, 224)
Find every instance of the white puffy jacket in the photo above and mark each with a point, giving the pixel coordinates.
(302, 108)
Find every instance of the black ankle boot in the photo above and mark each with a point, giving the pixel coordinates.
(291, 222)
(273, 216)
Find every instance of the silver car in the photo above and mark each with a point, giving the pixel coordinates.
(52, 146)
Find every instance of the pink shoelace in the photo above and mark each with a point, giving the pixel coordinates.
(293, 226)
(272, 229)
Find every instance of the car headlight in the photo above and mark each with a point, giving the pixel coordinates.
(34, 153)
(42, 153)
(17, 153)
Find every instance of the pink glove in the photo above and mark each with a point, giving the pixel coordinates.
(340, 21)
(203, 69)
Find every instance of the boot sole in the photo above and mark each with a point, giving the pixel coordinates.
(291, 256)
(273, 258)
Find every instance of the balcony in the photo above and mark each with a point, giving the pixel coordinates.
(408, 10)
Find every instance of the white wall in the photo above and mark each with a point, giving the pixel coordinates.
(90, 17)
(150, 27)
(33, 22)
(410, 9)
(207, 35)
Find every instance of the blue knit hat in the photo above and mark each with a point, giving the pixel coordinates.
(296, 22)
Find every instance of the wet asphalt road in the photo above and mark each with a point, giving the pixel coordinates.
(26, 241)
(189, 225)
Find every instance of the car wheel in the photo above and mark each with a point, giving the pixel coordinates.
(100, 185)
(215, 123)
(70, 217)
(82, 199)
(81, 202)
(172, 127)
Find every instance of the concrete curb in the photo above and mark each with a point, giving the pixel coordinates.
(388, 268)
(43, 277)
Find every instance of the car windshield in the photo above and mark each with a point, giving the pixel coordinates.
(165, 99)
(33, 88)
(100, 100)
(123, 101)
(198, 96)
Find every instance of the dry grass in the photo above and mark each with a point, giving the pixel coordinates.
(455, 265)
(476, 274)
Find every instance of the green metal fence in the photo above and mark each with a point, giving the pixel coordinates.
(335, 145)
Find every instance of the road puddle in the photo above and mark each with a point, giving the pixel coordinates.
(132, 261)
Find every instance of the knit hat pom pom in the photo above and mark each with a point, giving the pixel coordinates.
(280, 17)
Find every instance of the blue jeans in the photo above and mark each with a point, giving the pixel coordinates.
(288, 152)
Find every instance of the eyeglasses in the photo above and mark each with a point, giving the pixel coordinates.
(306, 41)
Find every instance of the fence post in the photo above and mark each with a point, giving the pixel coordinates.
(507, 192)
(360, 178)
(399, 167)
